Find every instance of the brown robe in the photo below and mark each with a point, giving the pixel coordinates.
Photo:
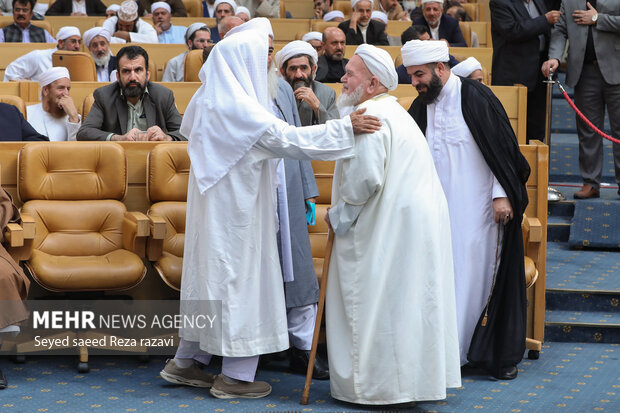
(13, 282)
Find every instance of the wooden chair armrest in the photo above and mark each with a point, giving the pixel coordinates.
(28, 224)
(155, 243)
(158, 227)
(14, 235)
(136, 229)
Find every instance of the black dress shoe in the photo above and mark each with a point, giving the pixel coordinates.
(507, 373)
(299, 363)
(3, 382)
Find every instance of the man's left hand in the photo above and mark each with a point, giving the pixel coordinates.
(67, 104)
(122, 35)
(154, 133)
(584, 17)
(307, 95)
(502, 210)
(364, 123)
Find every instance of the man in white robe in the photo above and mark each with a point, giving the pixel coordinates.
(473, 147)
(56, 116)
(231, 253)
(32, 64)
(390, 310)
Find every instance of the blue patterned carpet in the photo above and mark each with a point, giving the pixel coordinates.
(568, 377)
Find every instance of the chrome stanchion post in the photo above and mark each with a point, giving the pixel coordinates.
(553, 195)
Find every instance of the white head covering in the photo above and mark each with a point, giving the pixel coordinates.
(113, 7)
(67, 31)
(128, 11)
(52, 74)
(312, 36)
(354, 3)
(294, 48)
(242, 9)
(332, 15)
(259, 24)
(467, 67)
(90, 34)
(432, 1)
(234, 94)
(193, 28)
(160, 5)
(379, 63)
(421, 52)
(231, 2)
(376, 14)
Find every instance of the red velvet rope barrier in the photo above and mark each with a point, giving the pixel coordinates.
(583, 118)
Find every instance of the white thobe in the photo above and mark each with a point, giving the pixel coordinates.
(390, 308)
(470, 188)
(56, 129)
(231, 252)
(29, 66)
(175, 69)
(145, 33)
(103, 75)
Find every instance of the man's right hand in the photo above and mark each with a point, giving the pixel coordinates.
(553, 16)
(551, 64)
(158, 29)
(364, 123)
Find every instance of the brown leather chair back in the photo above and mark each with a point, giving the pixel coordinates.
(193, 7)
(193, 64)
(344, 7)
(466, 30)
(87, 104)
(81, 65)
(15, 101)
(168, 172)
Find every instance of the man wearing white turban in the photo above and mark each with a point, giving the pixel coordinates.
(483, 175)
(197, 36)
(243, 13)
(32, 64)
(166, 32)
(470, 68)
(127, 27)
(97, 40)
(316, 40)
(391, 318)
(361, 28)
(56, 116)
(334, 16)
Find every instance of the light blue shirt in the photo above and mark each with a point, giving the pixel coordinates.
(175, 34)
(26, 35)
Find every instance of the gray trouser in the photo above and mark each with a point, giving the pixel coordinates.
(592, 94)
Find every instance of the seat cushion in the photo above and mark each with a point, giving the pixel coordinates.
(530, 272)
(116, 270)
(170, 268)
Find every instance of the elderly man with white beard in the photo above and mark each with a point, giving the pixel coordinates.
(231, 253)
(391, 317)
(97, 40)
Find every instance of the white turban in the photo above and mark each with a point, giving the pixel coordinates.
(379, 63)
(379, 15)
(128, 11)
(432, 1)
(90, 34)
(354, 3)
(113, 7)
(467, 67)
(231, 2)
(333, 15)
(193, 28)
(52, 74)
(242, 9)
(260, 24)
(294, 48)
(312, 36)
(67, 31)
(160, 5)
(421, 52)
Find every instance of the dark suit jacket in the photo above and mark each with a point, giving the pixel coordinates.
(109, 113)
(448, 29)
(516, 46)
(14, 127)
(65, 8)
(375, 34)
(322, 68)
(215, 34)
(112, 64)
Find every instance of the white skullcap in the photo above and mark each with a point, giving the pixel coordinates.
(379, 63)
(354, 3)
(67, 31)
(432, 1)
(128, 11)
(421, 52)
(260, 24)
(90, 34)
(193, 28)
(160, 5)
(113, 7)
(231, 2)
(294, 48)
(379, 15)
(52, 74)
(467, 67)
(312, 36)
(333, 15)
(242, 9)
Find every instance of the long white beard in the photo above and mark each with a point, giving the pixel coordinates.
(272, 82)
(102, 61)
(349, 100)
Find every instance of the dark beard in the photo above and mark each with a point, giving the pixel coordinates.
(433, 89)
(297, 83)
(133, 91)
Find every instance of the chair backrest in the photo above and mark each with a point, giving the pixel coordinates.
(87, 104)
(344, 7)
(320, 25)
(81, 65)
(472, 9)
(168, 172)
(72, 171)
(193, 7)
(299, 9)
(466, 30)
(193, 64)
(15, 101)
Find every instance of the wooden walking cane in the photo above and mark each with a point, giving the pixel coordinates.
(319, 316)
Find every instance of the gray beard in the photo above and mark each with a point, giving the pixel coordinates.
(351, 99)
(272, 82)
(102, 61)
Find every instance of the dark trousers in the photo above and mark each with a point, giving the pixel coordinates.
(537, 108)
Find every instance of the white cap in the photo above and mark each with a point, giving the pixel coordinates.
(113, 7)
(379, 63)
(160, 5)
(431, 1)
(67, 31)
(231, 2)
(90, 34)
(354, 3)
(260, 24)
(193, 28)
(242, 9)
(376, 14)
(421, 52)
(467, 67)
(294, 48)
(128, 11)
(312, 36)
(52, 74)
(334, 14)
